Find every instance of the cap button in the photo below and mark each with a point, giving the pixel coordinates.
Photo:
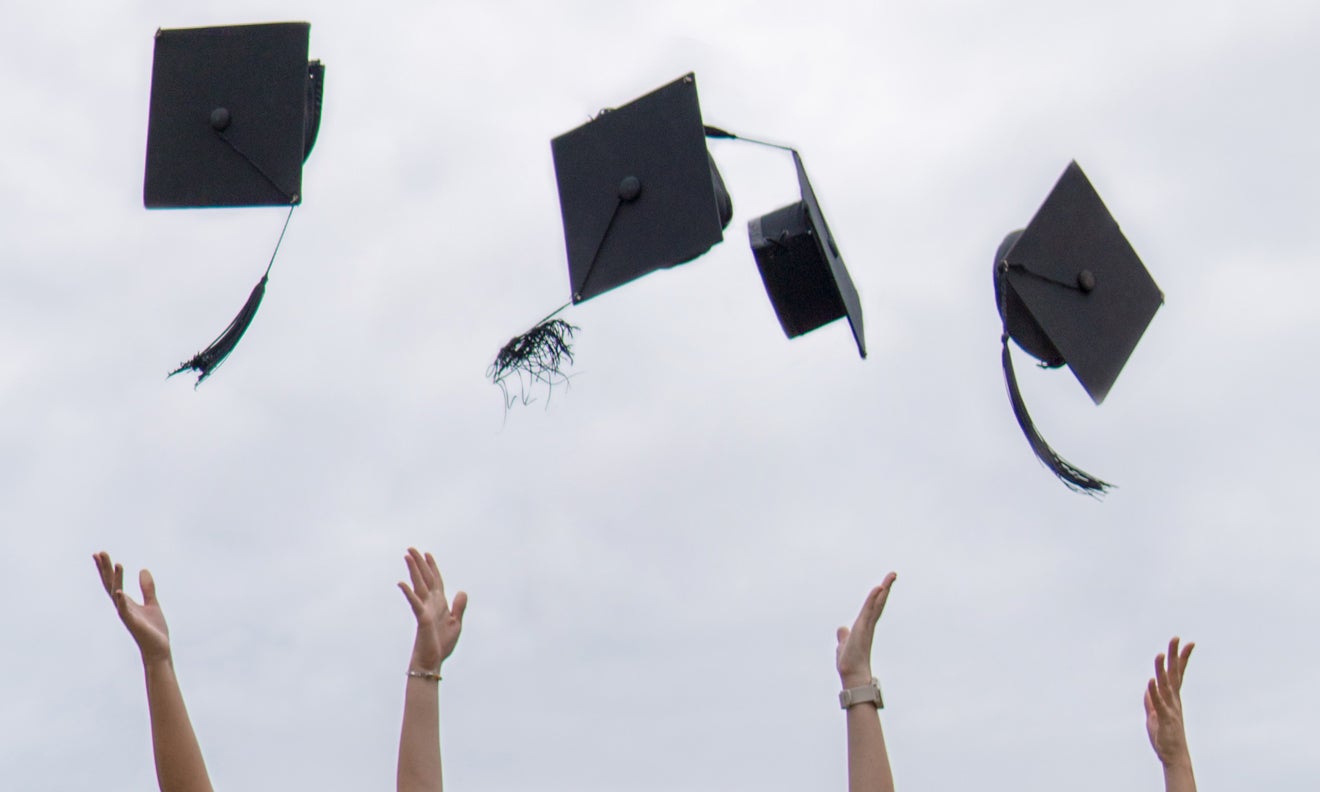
(220, 119)
(1086, 281)
(630, 188)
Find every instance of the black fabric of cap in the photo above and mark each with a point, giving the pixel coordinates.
(804, 274)
(1076, 284)
(638, 190)
(234, 113)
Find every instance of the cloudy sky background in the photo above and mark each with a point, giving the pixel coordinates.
(658, 558)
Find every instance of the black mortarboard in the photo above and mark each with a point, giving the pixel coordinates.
(1071, 290)
(638, 190)
(234, 113)
(801, 266)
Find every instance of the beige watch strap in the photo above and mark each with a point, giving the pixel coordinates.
(867, 694)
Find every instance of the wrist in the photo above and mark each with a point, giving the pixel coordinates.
(852, 679)
(425, 661)
(1179, 762)
(157, 658)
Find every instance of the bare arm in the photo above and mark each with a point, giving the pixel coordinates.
(868, 761)
(179, 764)
(438, 627)
(1164, 718)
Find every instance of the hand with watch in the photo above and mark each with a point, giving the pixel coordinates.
(868, 761)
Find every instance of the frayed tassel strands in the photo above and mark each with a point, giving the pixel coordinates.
(209, 359)
(1075, 478)
(539, 355)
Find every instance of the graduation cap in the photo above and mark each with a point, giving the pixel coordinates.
(1071, 291)
(234, 114)
(801, 266)
(639, 192)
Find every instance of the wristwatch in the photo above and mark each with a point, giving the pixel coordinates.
(862, 695)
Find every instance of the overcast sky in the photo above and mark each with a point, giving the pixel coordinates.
(657, 558)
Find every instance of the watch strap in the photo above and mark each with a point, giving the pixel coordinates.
(866, 694)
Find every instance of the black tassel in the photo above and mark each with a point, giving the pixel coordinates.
(1075, 478)
(539, 355)
(209, 359)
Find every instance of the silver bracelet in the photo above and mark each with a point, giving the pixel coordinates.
(434, 676)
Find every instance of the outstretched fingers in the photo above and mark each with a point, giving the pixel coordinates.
(1155, 701)
(437, 582)
(412, 598)
(112, 575)
(1163, 684)
(1173, 664)
(148, 585)
(882, 595)
(415, 563)
(1183, 657)
(874, 604)
(106, 570)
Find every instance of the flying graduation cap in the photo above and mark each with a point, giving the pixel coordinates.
(234, 113)
(639, 191)
(1071, 291)
(801, 266)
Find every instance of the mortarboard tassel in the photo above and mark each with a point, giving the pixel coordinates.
(542, 353)
(209, 359)
(1074, 477)
(538, 355)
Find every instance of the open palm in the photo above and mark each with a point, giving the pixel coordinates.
(1163, 702)
(145, 621)
(438, 625)
(853, 654)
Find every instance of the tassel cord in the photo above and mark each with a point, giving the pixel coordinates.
(554, 313)
(276, 251)
(1072, 476)
(1042, 277)
(291, 198)
(721, 134)
(595, 254)
(215, 354)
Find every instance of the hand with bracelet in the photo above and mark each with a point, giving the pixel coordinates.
(438, 628)
(179, 764)
(868, 761)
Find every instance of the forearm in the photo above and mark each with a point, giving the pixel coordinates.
(179, 763)
(1178, 776)
(868, 761)
(419, 743)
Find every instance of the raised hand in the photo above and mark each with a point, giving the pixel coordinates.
(853, 655)
(145, 621)
(438, 624)
(1163, 701)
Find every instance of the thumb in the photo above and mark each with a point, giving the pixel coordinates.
(459, 606)
(842, 635)
(148, 585)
